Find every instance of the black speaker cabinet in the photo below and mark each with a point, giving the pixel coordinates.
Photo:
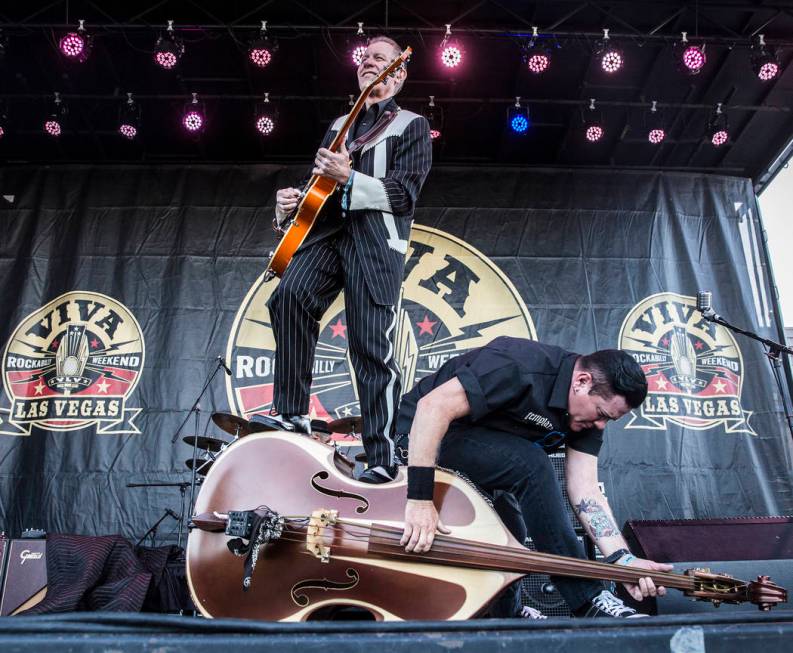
(25, 582)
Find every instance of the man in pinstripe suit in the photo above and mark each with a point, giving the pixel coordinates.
(359, 245)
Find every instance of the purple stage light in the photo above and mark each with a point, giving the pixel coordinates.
(52, 127)
(260, 56)
(719, 138)
(768, 71)
(165, 59)
(358, 53)
(265, 125)
(451, 56)
(594, 133)
(434, 134)
(694, 58)
(128, 131)
(764, 61)
(72, 45)
(538, 63)
(2, 132)
(611, 61)
(193, 121)
(656, 136)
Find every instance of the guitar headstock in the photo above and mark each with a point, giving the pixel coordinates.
(391, 69)
(722, 588)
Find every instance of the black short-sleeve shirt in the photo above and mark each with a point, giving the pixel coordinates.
(513, 385)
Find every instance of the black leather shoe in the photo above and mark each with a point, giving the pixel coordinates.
(379, 474)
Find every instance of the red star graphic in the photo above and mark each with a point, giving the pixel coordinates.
(55, 344)
(699, 345)
(338, 329)
(94, 343)
(426, 325)
(665, 342)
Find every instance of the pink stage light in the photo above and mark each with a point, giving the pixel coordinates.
(434, 134)
(694, 58)
(2, 132)
(128, 131)
(594, 133)
(260, 56)
(538, 63)
(719, 138)
(265, 125)
(451, 56)
(656, 136)
(52, 127)
(165, 59)
(72, 45)
(768, 71)
(358, 53)
(611, 61)
(193, 120)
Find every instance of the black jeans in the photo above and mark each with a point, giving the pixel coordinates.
(527, 497)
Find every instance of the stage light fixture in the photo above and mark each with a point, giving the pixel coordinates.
(536, 57)
(593, 124)
(193, 118)
(764, 62)
(76, 45)
(357, 46)
(434, 116)
(169, 48)
(609, 56)
(655, 130)
(262, 48)
(691, 58)
(718, 127)
(129, 118)
(265, 117)
(518, 118)
(54, 123)
(451, 51)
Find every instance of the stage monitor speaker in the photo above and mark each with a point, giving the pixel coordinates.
(732, 538)
(675, 602)
(25, 582)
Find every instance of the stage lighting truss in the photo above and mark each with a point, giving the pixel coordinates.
(54, 124)
(434, 116)
(655, 126)
(76, 46)
(357, 46)
(451, 50)
(194, 116)
(610, 58)
(764, 61)
(265, 116)
(593, 123)
(718, 127)
(168, 49)
(518, 118)
(690, 57)
(129, 118)
(262, 48)
(536, 57)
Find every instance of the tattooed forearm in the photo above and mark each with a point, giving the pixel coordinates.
(599, 521)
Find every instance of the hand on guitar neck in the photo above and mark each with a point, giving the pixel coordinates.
(333, 165)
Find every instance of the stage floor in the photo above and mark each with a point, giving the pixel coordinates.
(104, 632)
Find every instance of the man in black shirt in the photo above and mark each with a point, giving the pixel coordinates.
(358, 245)
(493, 414)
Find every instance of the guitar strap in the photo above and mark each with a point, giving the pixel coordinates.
(382, 122)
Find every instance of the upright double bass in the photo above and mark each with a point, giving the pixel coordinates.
(282, 531)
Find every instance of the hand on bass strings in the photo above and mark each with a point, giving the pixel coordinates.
(421, 523)
(333, 165)
(646, 586)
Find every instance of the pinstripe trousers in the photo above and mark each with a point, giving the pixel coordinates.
(311, 282)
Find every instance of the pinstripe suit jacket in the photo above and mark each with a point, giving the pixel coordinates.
(389, 174)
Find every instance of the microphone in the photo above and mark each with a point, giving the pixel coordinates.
(225, 367)
(704, 304)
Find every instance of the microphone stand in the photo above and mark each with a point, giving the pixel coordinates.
(774, 352)
(197, 410)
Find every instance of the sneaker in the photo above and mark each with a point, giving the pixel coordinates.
(378, 474)
(606, 604)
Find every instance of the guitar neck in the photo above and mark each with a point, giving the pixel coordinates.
(446, 550)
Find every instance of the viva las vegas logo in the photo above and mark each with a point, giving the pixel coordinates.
(72, 364)
(453, 299)
(694, 368)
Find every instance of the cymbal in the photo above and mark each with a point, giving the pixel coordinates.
(233, 424)
(202, 465)
(204, 442)
(352, 424)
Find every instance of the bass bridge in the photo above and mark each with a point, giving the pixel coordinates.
(315, 534)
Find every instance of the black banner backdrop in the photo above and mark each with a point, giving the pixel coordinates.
(121, 285)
